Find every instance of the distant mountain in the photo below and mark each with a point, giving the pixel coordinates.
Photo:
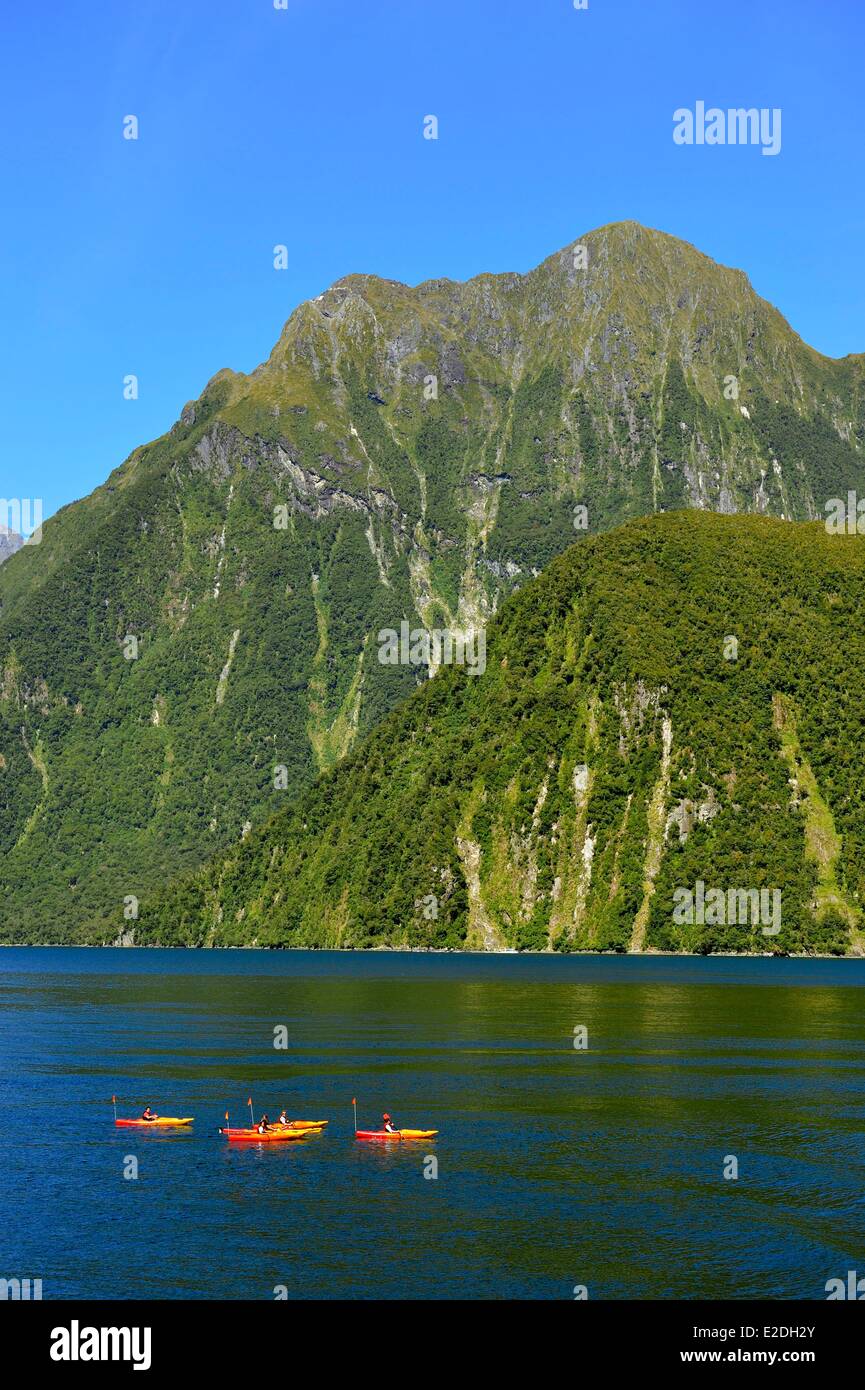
(662, 754)
(192, 644)
(10, 541)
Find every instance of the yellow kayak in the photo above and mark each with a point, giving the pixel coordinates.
(302, 1124)
(152, 1124)
(385, 1134)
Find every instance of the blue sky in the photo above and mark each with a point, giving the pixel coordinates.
(303, 126)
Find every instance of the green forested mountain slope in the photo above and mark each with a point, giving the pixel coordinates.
(403, 453)
(619, 747)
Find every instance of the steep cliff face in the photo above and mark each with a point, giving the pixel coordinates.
(195, 642)
(660, 755)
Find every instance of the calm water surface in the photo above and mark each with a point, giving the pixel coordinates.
(556, 1167)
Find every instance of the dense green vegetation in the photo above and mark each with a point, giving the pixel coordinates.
(464, 818)
(404, 453)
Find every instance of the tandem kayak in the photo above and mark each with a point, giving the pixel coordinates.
(270, 1136)
(152, 1124)
(397, 1134)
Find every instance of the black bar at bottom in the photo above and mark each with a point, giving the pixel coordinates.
(415, 1338)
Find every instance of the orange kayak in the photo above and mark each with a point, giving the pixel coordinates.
(270, 1136)
(152, 1124)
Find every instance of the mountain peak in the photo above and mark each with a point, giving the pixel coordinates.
(405, 454)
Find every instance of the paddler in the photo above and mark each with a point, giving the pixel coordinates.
(148, 1114)
(283, 1118)
(386, 1121)
(263, 1125)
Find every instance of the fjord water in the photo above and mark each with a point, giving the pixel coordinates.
(557, 1167)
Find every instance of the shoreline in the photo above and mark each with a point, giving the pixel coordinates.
(439, 951)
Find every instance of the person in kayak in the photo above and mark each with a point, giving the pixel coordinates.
(386, 1122)
(148, 1114)
(263, 1125)
(283, 1118)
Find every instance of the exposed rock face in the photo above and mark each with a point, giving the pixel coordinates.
(10, 541)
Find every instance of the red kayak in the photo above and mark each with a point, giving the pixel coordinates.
(397, 1134)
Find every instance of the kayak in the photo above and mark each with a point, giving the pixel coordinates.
(398, 1134)
(270, 1136)
(152, 1124)
(302, 1124)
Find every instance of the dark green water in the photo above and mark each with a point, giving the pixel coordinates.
(556, 1167)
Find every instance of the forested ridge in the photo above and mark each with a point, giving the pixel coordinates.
(678, 701)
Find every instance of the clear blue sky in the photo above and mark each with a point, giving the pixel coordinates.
(304, 126)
